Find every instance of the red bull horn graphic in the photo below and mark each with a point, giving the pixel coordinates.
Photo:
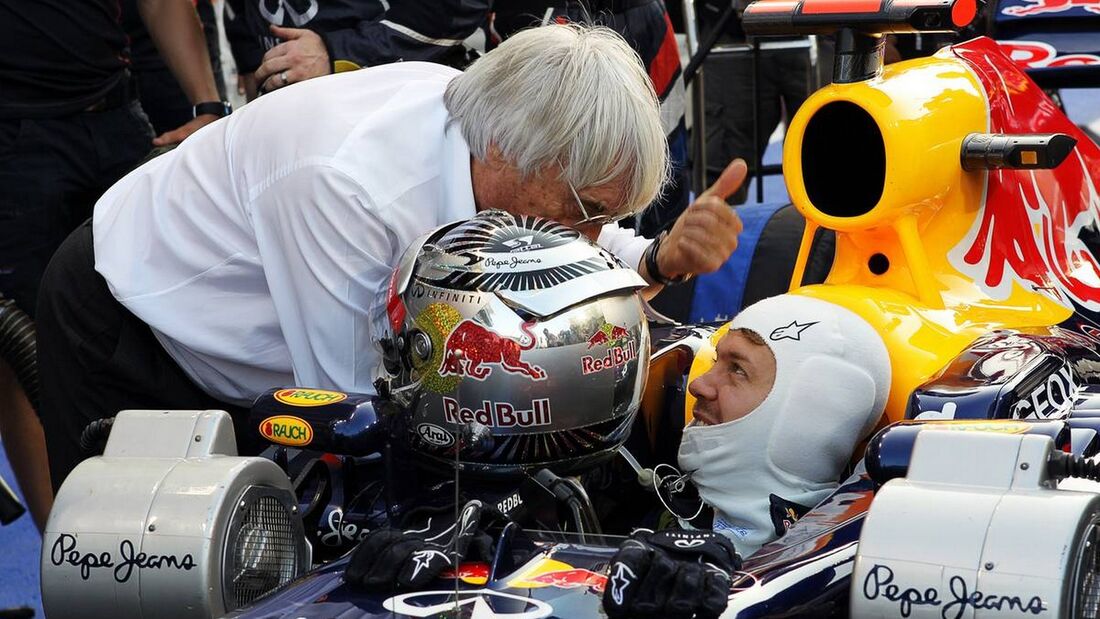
(1040, 55)
(1030, 229)
(608, 335)
(1047, 254)
(1039, 7)
(569, 579)
(553, 573)
(471, 347)
(598, 338)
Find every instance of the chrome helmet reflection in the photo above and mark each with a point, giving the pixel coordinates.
(517, 343)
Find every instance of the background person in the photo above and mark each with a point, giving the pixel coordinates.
(276, 45)
(249, 258)
(162, 99)
(70, 125)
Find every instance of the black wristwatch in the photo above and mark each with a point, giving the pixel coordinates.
(217, 108)
(650, 258)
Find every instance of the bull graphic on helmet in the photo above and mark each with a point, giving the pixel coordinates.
(471, 346)
(608, 335)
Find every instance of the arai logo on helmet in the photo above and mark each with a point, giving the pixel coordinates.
(435, 435)
(287, 430)
(309, 397)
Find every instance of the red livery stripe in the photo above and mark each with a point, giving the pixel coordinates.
(822, 7)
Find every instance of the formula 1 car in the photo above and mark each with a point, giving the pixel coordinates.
(965, 207)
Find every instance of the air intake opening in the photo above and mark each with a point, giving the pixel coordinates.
(843, 160)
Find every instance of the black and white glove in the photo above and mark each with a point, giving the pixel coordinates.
(414, 554)
(671, 574)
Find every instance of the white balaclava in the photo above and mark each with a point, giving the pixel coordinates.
(832, 376)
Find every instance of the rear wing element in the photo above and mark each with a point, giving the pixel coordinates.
(858, 24)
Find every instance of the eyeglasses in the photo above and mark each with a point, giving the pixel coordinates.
(586, 219)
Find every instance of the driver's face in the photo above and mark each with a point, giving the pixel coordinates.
(740, 379)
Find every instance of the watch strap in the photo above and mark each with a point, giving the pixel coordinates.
(217, 108)
(654, 270)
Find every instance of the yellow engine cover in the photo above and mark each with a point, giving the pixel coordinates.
(926, 310)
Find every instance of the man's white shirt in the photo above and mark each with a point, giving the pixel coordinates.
(259, 250)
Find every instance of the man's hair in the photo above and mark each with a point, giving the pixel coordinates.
(571, 94)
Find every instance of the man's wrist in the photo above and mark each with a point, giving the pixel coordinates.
(653, 268)
(215, 108)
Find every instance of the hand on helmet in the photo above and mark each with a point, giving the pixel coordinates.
(671, 574)
(411, 556)
(705, 235)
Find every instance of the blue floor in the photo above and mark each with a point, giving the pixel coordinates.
(19, 550)
(19, 542)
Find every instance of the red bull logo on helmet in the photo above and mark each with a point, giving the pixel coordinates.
(498, 414)
(618, 334)
(472, 350)
(614, 358)
(621, 348)
(598, 338)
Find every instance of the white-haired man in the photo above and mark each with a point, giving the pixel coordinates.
(256, 253)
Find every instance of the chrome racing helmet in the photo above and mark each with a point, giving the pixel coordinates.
(517, 343)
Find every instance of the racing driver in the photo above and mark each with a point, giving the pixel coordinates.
(794, 385)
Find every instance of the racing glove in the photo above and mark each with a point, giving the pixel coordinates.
(671, 574)
(414, 554)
